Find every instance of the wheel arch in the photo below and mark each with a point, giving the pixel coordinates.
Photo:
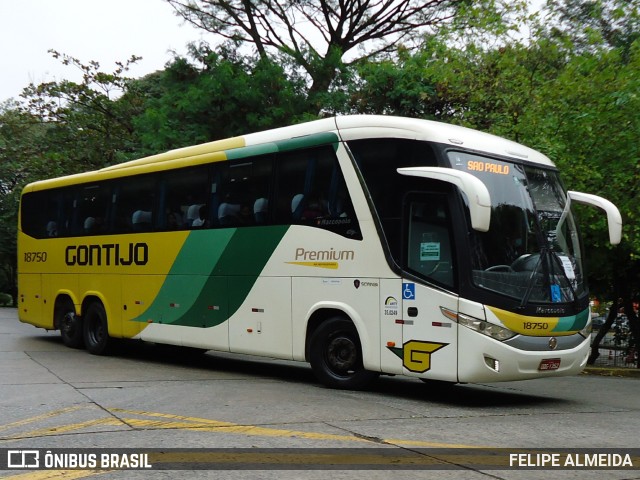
(322, 312)
(63, 297)
(91, 297)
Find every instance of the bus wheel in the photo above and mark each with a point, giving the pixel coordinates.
(70, 326)
(336, 356)
(96, 333)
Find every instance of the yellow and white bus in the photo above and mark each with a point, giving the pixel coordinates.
(364, 245)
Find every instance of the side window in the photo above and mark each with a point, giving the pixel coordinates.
(241, 196)
(293, 180)
(91, 209)
(48, 214)
(311, 191)
(135, 204)
(38, 215)
(186, 197)
(429, 251)
(378, 160)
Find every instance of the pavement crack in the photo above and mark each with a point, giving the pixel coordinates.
(80, 391)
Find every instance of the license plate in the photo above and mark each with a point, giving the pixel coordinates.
(549, 364)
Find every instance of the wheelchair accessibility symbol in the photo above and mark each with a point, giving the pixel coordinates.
(409, 291)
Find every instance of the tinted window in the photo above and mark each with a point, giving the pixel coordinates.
(429, 252)
(311, 191)
(186, 194)
(242, 193)
(135, 204)
(303, 187)
(47, 214)
(378, 161)
(91, 209)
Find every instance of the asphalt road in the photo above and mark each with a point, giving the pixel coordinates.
(150, 397)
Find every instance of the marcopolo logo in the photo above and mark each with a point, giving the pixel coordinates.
(107, 254)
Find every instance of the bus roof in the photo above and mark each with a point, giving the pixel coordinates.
(348, 127)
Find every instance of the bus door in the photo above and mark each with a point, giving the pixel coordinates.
(429, 338)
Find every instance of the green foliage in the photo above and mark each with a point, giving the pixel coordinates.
(60, 128)
(86, 125)
(221, 97)
(322, 38)
(404, 87)
(593, 24)
(596, 121)
(6, 300)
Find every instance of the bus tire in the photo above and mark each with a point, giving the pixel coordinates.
(96, 331)
(70, 325)
(336, 355)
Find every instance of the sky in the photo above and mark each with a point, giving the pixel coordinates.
(103, 30)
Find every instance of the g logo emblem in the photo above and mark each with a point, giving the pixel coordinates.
(416, 355)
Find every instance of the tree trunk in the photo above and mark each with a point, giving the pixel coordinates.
(634, 326)
(613, 313)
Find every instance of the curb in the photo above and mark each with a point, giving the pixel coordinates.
(613, 372)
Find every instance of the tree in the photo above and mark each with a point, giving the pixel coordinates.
(215, 95)
(21, 156)
(404, 87)
(88, 122)
(592, 24)
(60, 128)
(317, 36)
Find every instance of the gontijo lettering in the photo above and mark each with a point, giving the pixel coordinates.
(107, 254)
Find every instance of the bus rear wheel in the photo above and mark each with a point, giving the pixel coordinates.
(96, 331)
(70, 325)
(336, 355)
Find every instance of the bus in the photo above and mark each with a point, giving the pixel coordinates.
(363, 245)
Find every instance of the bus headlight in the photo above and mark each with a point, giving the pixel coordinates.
(486, 328)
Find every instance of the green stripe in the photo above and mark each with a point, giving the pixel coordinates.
(572, 323)
(251, 151)
(307, 141)
(212, 275)
(298, 143)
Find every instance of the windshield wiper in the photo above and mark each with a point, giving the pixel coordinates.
(553, 263)
(531, 282)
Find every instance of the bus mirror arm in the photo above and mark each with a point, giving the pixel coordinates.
(614, 219)
(476, 191)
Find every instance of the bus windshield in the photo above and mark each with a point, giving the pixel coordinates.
(532, 251)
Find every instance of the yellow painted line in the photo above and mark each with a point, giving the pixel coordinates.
(156, 420)
(195, 423)
(49, 431)
(44, 416)
(204, 424)
(420, 443)
(249, 430)
(171, 416)
(57, 474)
